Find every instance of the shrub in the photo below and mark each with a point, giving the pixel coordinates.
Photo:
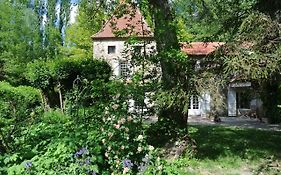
(102, 139)
(57, 77)
(18, 108)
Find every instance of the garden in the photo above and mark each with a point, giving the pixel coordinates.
(63, 113)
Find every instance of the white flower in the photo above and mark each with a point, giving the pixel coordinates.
(117, 126)
(115, 106)
(126, 170)
(139, 149)
(130, 118)
(140, 138)
(150, 148)
(122, 121)
(127, 129)
(158, 159)
(117, 161)
(103, 141)
(160, 167)
(116, 96)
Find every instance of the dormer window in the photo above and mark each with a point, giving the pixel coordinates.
(111, 49)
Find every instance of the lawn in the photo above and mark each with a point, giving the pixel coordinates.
(231, 151)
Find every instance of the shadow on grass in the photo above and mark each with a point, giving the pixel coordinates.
(164, 131)
(214, 142)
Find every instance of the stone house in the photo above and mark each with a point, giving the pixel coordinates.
(111, 45)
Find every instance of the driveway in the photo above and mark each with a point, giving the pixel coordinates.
(241, 122)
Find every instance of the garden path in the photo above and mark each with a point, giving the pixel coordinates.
(240, 122)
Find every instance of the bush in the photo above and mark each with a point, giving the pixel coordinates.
(18, 108)
(102, 139)
(57, 77)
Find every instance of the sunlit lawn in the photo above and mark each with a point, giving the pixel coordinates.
(224, 150)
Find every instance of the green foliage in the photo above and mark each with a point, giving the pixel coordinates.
(39, 74)
(18, 107)
(67, 70)
(20, 40)
(213, 20)
(173, 96)
(78, 35)
(57, 143)
(261, 31)
(255, 56)
(61, 75)
(52, 142)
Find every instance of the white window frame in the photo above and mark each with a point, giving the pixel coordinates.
(124, 69)
(194, 102)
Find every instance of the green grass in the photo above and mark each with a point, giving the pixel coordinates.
(225, 150)
(215, 142)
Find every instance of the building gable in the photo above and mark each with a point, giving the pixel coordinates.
(130, 23)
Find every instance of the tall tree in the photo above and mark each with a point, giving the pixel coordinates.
(20, 40)
(175, 67)
(90, 19)
(213, 19)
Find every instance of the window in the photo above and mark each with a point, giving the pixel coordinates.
(139, 105)
(193, 102)
(111, 49)
(124, 69)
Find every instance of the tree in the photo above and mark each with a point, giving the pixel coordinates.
(176, 68)
(213, 20)
(20, 40)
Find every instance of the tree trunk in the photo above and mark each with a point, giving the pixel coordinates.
(60, 97)
(166, 40)
(165, 34)
(45, 101)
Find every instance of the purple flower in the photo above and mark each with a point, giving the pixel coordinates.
(128, 163)
(142, 167)
(87, 161)
(91, 172)
(28, 165)
(81, 152)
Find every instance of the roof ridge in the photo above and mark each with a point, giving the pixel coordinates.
(136, 20)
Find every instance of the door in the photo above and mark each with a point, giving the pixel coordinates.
(194, 106)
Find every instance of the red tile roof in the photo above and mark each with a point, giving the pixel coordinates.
(200, 48)
(131, 23)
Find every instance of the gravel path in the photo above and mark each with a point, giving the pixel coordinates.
(242, 122)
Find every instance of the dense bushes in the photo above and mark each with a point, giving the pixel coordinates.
(57, 77)
(92, 134)
(18, 107)
(102, 139)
